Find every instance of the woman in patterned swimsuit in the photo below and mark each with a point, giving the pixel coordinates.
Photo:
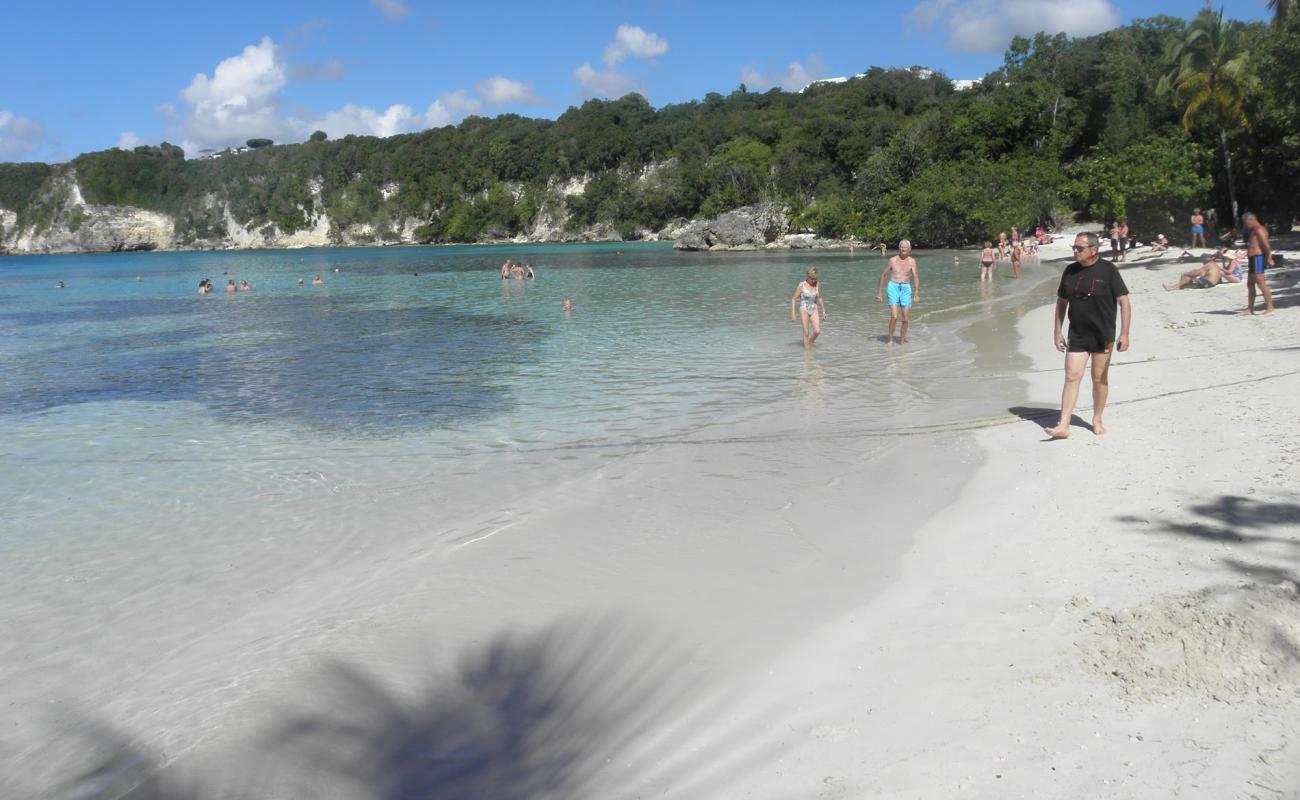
(809, 300)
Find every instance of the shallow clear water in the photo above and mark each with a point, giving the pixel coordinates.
(126, 403)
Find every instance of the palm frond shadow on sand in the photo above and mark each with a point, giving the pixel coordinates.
(579, 710)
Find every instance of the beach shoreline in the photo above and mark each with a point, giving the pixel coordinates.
(1102, 617)
(841, 598)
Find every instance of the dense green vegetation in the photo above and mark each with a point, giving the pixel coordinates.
(1141, 122)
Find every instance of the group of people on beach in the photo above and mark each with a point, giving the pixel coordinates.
(1092, 289)
(1228, 264)
(808, 304)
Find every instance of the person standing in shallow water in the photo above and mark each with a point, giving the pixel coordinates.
(1090, 289)
(809, 300)
(904, 288)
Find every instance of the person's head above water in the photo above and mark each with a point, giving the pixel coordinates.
(811, 276)
(904, 247)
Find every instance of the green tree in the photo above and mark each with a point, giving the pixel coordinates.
(1143, 182)
(256, 143)
(319, 136)
(1211, 73)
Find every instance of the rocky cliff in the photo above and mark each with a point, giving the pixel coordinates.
(65, 223)
(71, 225)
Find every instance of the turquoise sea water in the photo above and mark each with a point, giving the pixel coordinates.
(205, 496)
(129, 402)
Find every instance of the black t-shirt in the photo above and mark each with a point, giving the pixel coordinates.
(1091, 293)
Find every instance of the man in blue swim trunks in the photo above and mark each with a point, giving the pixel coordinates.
(1258, 256)
(1089, 291)
(1198, 227)
(904, 288)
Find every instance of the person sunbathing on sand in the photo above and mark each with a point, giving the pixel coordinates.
(1209, 274)
(1160, 245)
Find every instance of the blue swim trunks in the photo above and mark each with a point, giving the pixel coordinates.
(900, 294)
(1198, 229)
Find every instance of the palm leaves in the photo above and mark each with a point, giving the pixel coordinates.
(1211, 73)
(1279, 9)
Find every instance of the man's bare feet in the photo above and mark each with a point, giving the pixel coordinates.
(1098, 428)
(1059, 432)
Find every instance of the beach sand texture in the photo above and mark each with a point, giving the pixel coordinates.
(1100, 617)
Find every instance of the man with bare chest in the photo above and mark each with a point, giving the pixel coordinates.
(1258, 256)
(904, 287)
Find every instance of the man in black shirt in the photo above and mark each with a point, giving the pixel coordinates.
(1090, 289)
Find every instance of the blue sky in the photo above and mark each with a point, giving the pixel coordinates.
(81, 76)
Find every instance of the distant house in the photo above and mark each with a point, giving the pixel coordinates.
(921, 72)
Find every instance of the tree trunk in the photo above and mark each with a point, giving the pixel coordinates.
(1227, 163)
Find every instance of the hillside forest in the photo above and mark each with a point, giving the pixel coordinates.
(1141, 122)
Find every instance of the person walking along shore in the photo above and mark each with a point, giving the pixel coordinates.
(1090, 289)
(904, 288)
(809, 299)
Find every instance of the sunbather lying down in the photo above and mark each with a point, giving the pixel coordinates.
(1222, 267)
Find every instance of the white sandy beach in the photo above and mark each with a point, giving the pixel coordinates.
(724, 616)
(1103, 617)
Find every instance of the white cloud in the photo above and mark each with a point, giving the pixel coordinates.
(392, 10)
(630, 40)
(604, 83)
(128, 140)
(19, 136)
(793, 77)
(986, 26)
(367, 121)
(167, 111)
(499, 91)
(244, 99)
(450, 107)
(240, 101)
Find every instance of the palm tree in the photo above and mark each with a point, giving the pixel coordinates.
(1211, 72)
(1279, 9)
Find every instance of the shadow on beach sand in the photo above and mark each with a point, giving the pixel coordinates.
(1047, 417)
(1270, 529)
(578, 710)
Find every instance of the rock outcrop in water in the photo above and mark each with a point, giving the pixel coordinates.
(746, 228)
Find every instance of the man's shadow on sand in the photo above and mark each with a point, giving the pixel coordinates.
(1047, 417)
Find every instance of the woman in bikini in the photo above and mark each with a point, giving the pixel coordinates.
(809, 301)
(986, 262)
